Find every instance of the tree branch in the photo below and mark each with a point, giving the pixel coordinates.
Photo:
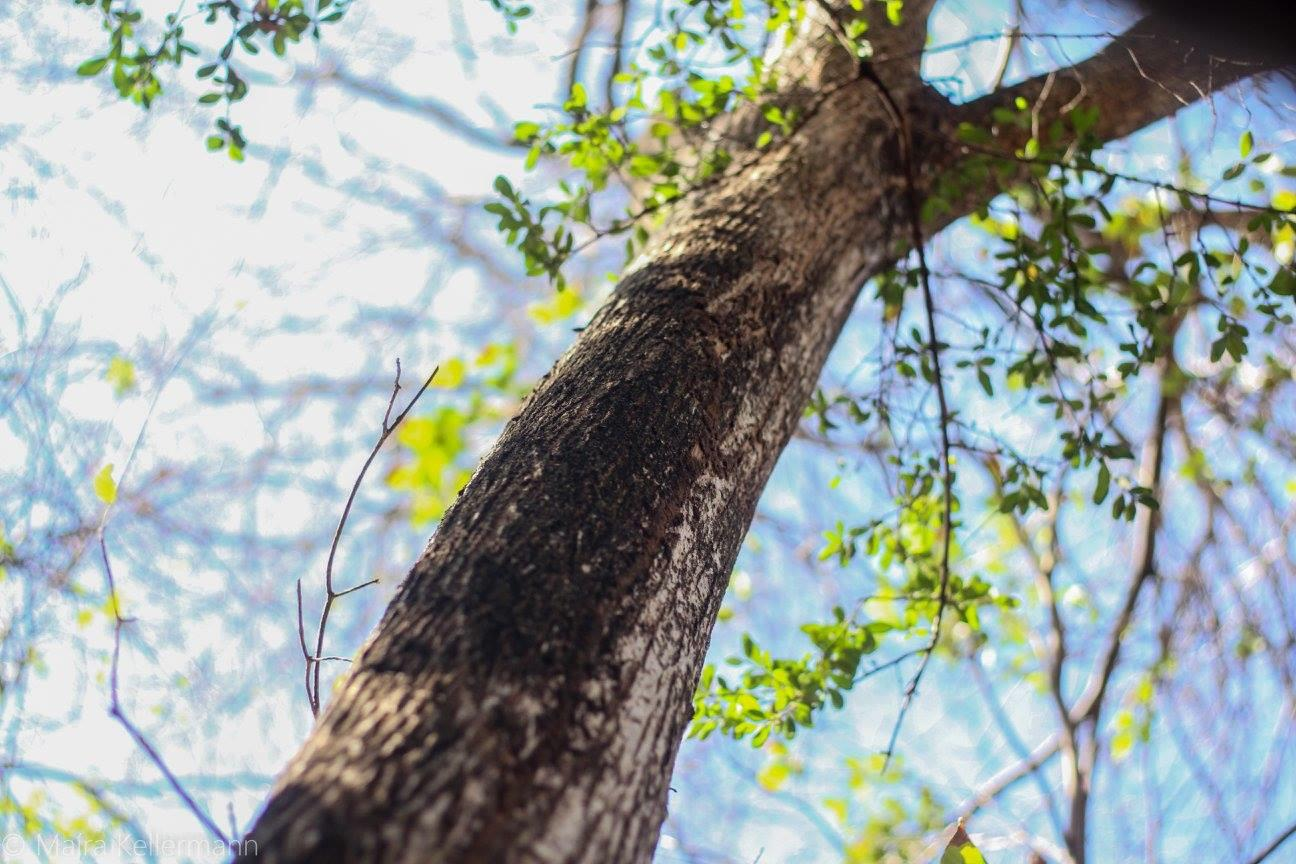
(1091, 698)
(1175, 76)
(314, 661)
(119, 714)
(1009, 732)
(618, 50)
(579, 45)
(1282, 838)
(1088, 708)
(441, 113)
(914, 200)
(1010, 776)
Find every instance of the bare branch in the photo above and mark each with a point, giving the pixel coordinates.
(1174, 76)
(1013, 40)
(1089, 704)
(301, 638)
(315, 660)
(1282, 838)
(115, 707)
(618, 50)
(441, 113)
(1009, 732)
(580, 44)
(1088, 708)
(1010, 776)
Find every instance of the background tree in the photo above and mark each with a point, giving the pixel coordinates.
(1078, 308)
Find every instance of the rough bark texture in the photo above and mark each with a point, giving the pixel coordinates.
(524, 696)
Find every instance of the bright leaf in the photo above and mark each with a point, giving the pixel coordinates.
(121, 375)
(563, 304)
(105, 487)
(960, 849)
(450, 375)
(92, 67)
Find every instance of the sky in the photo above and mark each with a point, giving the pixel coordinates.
(123, 231)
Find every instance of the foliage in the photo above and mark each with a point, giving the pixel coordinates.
(438, 456)
(105, 487)
(138, 48)
(658, 141)
(121, 375)
(85, 825)
(779, 696)
(1062, 263)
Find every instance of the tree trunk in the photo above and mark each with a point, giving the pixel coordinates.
(524, 696)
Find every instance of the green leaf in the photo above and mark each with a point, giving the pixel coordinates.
(121, 375)
(1084, 119)
(960, 849)
(450, 375)
(1104, 484)
(105, 487)
(1121, 745)
(1246, 144)
(578, 99)
(92, 67)
(1283, 284)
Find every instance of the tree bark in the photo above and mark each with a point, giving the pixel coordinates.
(524, 696)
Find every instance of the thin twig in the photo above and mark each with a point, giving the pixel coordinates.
(316, 659)
(881, 667)
(865, 71)
(933, 346)
(1273, 847)
(1009, 732)
(618, 51)
(1086, 166)
(577, 52)
(116, 711)
(301, 638)
(1014, 37)
(1006, 778)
